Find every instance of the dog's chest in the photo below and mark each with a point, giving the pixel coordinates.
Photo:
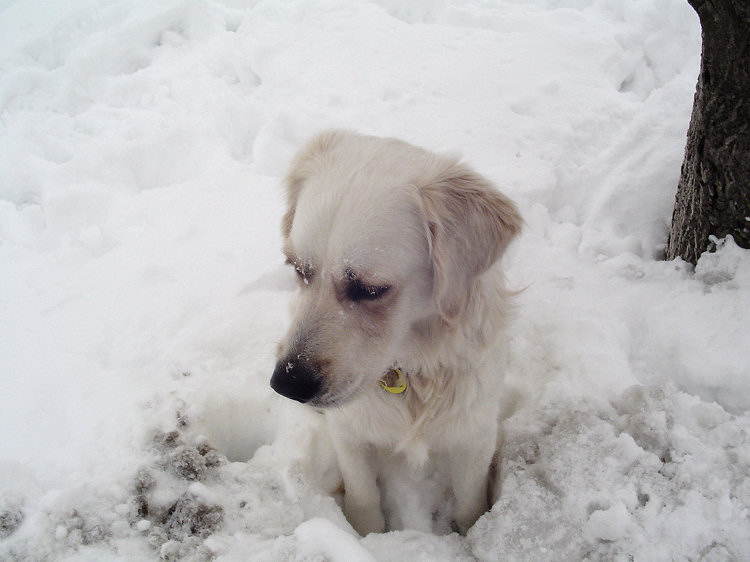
(424, 418)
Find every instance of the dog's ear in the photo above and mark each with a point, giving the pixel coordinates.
(470, 224)
(302, 166)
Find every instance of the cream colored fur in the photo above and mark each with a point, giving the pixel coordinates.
(387, 214)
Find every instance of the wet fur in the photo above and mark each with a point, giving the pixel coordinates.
(384, 213)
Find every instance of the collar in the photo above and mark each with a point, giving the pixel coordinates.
(394, 381)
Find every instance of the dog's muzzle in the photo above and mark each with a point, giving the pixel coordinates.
(296, 379)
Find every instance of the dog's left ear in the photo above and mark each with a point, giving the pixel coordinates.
(470, 225)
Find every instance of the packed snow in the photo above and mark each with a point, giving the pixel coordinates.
(143, 292)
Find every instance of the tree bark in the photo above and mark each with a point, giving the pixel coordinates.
(713, 195)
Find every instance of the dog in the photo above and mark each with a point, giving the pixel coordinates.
(399, 318)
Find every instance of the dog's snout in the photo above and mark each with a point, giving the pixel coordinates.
(296, 379)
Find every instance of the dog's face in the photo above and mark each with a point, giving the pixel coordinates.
(364, 280)
(387, 240)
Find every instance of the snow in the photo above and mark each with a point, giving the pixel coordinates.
(143, 292)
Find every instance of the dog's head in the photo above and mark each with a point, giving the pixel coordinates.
(388, 242)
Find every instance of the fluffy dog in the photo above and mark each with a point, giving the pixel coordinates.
(397, 324)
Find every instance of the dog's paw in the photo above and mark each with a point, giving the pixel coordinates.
(463, 526)
(466, 517)
(365, 520)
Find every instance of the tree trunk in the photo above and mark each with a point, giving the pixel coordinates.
(713, 195)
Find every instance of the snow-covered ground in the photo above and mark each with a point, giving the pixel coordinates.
(142, 290)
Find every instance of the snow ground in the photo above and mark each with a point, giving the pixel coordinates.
(142, 289)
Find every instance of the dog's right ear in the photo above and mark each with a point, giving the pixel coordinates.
(303, 165)
(469, 225)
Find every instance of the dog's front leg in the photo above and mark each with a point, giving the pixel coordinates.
(361, 494)
(470, 480)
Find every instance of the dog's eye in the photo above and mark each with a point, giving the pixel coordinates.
(304, 273)
(357, 291)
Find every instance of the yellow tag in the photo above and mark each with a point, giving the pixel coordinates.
(394, 381)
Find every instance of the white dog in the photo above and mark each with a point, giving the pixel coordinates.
(399, 315)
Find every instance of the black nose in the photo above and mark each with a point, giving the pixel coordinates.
(296, 380)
